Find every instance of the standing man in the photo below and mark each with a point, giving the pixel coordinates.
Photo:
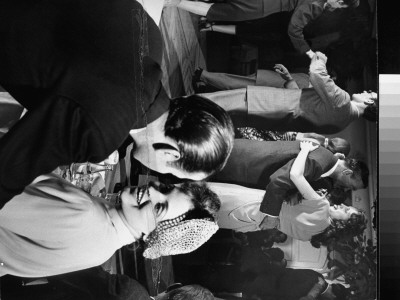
(88, 72)
(266, 165)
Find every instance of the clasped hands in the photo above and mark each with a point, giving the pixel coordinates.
(269, 222)
(317, 55)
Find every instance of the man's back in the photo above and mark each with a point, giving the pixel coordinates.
(251, 163)
(87, 71)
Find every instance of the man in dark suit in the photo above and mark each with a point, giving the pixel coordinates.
(88, 72)
(266, 165)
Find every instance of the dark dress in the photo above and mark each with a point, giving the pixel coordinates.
(87, 71)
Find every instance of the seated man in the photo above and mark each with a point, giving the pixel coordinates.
(88, 72)
(63, 229)
(325, 108)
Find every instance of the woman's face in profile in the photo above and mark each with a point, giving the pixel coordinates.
(144, 207)
(341, 212)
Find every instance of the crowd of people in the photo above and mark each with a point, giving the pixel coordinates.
(82, 80)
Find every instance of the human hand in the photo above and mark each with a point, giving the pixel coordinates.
(269, 223)
(307, 145)
(320, 55)
(340, 155)
(310, 54)
(322, 192)
(283, 71)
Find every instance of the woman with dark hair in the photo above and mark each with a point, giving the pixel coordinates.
(304, 11)
(340, 228)
(63, 229)
(301, 219)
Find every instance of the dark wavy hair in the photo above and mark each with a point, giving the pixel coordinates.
(359, 168)
(203, 131)
(371, 113)
(338, 145)
(206, 202)
(337, 196)
(340, 229)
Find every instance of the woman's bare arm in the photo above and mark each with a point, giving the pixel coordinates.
(297, 172)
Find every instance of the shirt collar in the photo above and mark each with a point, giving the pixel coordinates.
(355, 110)
(331, 170)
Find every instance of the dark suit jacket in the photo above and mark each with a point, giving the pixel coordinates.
(266, 165)
(87, 71)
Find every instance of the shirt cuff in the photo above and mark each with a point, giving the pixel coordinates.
(268, 215)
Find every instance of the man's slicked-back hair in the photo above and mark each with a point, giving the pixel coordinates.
(203, 132)
(371, 113)
(359, 168)
(191, 292)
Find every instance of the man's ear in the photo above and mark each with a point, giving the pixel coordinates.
(347, 172)
(340, 156)
(167, 152)
(369, 102)
(170, 154)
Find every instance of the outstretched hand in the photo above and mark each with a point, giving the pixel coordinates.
(283, 71)
(307, 145)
